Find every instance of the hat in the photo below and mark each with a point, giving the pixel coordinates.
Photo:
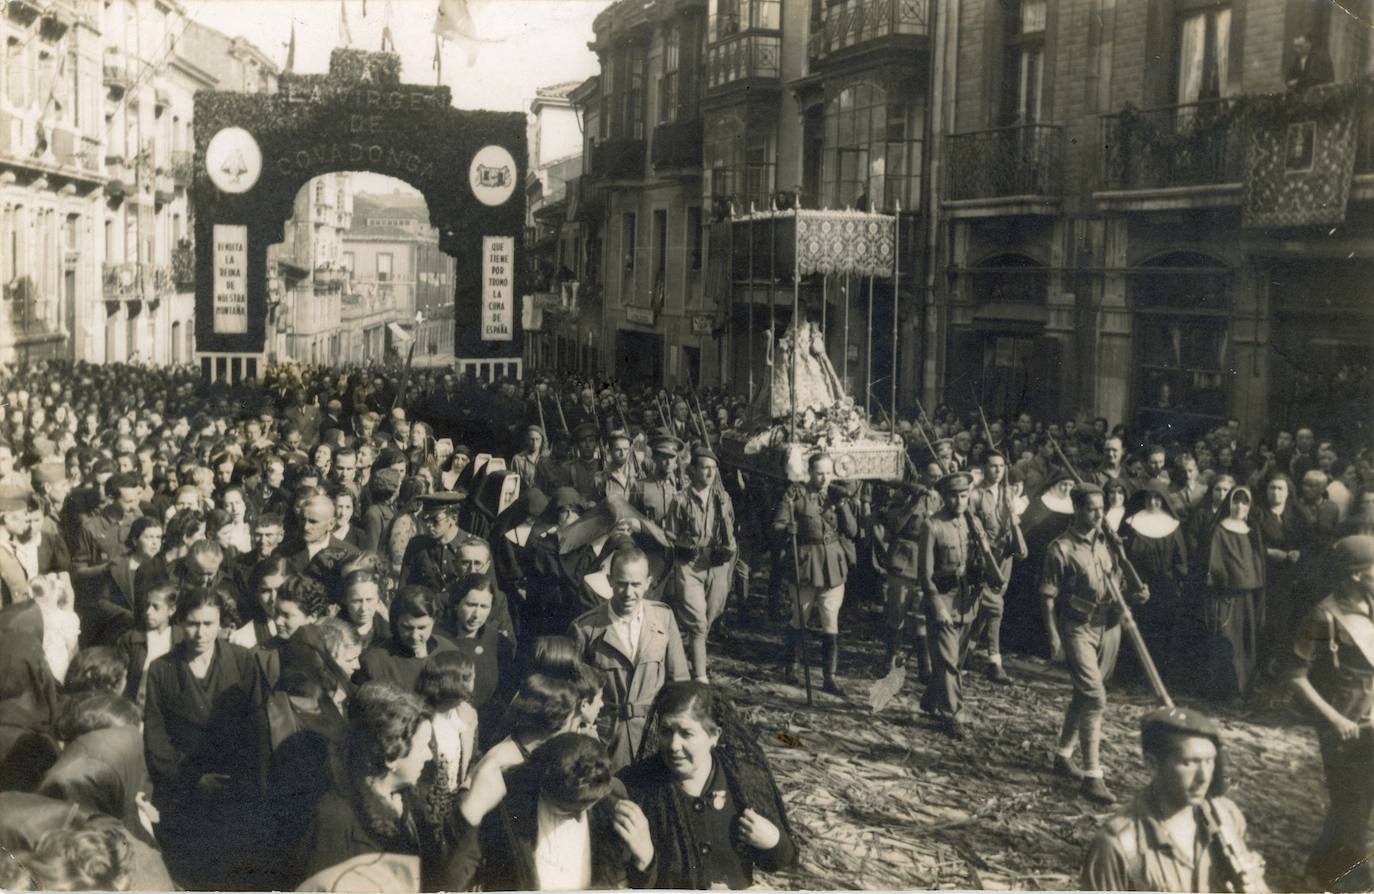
(564, 498)
(954, 483)
(44, 447)
(1162, 721)
(1354, 553)
(440, 500)
(48, 473)
(1083, 490)
(389, 478)
(537, 429)
(665, 445)
(619, 435)
(13, 499)
(701, 451)
(584, 431)
(938, 441)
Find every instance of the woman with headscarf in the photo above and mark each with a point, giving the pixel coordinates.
(1235, 587)
(714, 810)
(28, 700)
(1154, 542)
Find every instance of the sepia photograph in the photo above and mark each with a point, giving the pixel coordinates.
(579, 445)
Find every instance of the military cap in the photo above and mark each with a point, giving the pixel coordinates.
(946, 441)
(701, 451)
(1354, 553)
(48, 473)
(13, 499)
(666, 445)
(954, 482)
(537, 429)
(441, 500)
(584, 431)
(619, 435)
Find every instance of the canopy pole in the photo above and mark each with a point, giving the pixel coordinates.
(868, 375)
(896, 282)
(796, 348)
(847, 296)
(728, 366)
(750, 280)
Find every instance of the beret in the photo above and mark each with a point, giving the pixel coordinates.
(585, 430)
(703, 452)
(1183, 720)
(1085, 489)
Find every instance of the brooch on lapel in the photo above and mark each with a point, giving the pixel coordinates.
(478, 650)
(718, 799)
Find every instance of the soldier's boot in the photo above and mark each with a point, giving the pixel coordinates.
(891, 641)
(791, 656)
(921, 646)
(830, 656)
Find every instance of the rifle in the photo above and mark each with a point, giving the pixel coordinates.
(1136, 582)
(1018, 539)
(634, 457)
(1242, 869)
(561, 418)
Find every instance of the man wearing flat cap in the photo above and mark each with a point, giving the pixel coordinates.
(1179, 833)
(432, 560)
(701, 526)
(653, 493)
(947, 568)
(1084, 625)
(1331, 667)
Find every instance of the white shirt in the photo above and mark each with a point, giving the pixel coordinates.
(26, 551)
(450, 733)
(312, 549)
(562, 851)
(628, 630)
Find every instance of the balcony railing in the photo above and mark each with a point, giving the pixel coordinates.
(744, 188)
(164, 281)
(619, 158)
(118, 77)
(184, 265)
(853, 23)
(181, 168)
(677, 146)
(742, 57)
(329, 280)
(1194, 144)
(123, 281)
(1023, 160)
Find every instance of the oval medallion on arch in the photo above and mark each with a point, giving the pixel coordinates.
(233, 160)
(492, 175)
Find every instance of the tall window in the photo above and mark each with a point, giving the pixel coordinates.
(872, 150)
(627, 243)
(1025, 62)
(668, 88)
(694, 237)
(740, 161)
(1204, 40)
(384, 261)
(660, 259)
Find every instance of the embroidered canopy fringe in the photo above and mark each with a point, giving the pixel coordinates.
(854, 242)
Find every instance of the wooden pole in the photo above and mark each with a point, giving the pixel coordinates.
(896, 287)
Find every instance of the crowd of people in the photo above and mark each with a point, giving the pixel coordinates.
(400, 630)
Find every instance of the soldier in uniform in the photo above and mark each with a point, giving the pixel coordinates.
(947, 567)
(1332, 674)
(587, 477)
(993, 503)
(1081, 573)
(621, 472)
(434, 560)
(1179, 833)
(904, 606)
(817, 516)
(653, 493)
(701, 526)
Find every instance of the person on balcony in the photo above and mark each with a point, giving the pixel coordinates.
(1311, 65)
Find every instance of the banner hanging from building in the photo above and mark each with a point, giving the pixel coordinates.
(1302, 156)
(231, 279)
(498, 302)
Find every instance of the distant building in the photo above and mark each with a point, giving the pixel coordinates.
(311, 277)
(394, 269)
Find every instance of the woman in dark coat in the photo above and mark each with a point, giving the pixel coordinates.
(107, 609)
(714, 811)
(563, 825)
(28, 700)
(1285, 534)
(413, 614)
(1235, 588)
(372, 806)
(491, 653)
(201, 739)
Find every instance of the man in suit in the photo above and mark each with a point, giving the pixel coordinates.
(1311, 65)
(636, 644)
(317, 533)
